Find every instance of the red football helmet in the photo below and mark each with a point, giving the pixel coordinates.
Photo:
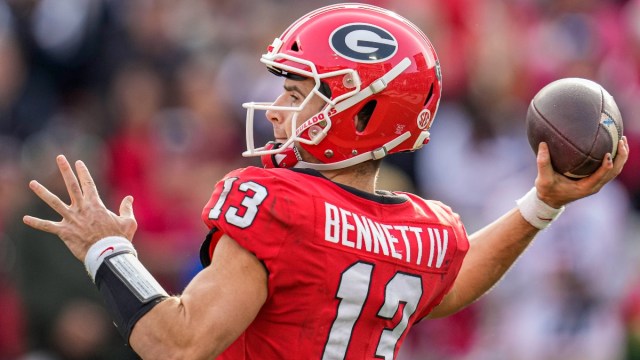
(364, 59)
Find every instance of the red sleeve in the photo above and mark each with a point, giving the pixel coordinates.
(446, 215)
(244, 206)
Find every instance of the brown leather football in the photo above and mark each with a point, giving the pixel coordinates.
(579, 121)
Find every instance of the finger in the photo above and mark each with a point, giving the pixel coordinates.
(70, 180)
(40, 224)
(605, 173)
(610, 167)
(601, 174)
(543, 161)
(49, 198)
(126, 211)
(126, 207)
(622, 156)
(626, 142)
(86, 181)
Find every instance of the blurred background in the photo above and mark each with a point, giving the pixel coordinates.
(149, 93)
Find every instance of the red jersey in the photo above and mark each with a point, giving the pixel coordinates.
(349, 272)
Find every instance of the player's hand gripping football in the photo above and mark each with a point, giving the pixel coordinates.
(86, 220)
(557, 190)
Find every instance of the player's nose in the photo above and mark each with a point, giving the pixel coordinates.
(276, 116)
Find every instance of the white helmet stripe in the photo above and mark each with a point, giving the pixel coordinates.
(375, 86)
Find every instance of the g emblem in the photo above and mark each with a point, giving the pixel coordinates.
(363, 43)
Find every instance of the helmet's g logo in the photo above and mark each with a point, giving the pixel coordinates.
(363, 43)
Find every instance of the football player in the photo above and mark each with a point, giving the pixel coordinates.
(305, 258)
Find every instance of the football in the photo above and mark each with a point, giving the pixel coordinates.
(579, 121)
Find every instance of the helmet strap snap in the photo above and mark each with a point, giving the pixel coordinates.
(287, 158)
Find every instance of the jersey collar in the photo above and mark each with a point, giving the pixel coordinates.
(381, 196)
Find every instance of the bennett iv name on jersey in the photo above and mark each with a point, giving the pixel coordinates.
(399, 241)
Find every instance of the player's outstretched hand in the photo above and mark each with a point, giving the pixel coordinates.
(86, 220)
(557, 190)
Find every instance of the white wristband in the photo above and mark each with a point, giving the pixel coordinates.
(536, 211)
(103, 248)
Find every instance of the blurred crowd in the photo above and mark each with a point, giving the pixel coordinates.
(148, 93)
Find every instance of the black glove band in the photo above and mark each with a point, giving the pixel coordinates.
(128, 289)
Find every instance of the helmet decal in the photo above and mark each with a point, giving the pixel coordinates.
(363, 43)
(425, 119)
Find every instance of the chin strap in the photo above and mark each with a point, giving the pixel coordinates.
(287, 158)
(375, 154)
(290, 157)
